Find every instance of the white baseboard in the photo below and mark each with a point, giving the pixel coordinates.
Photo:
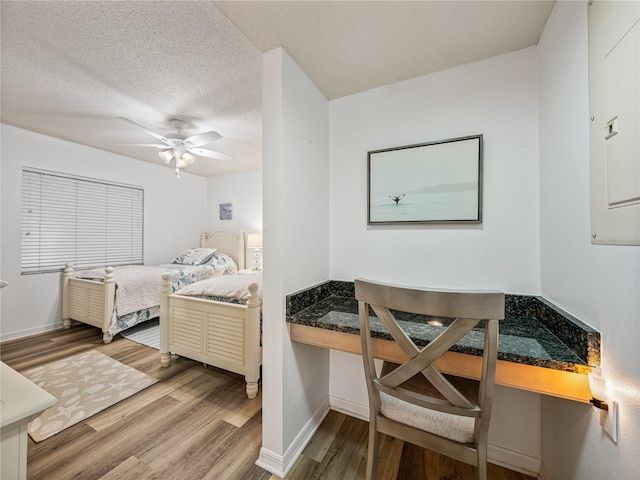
(271, 462)
(543, 473)
(348, 407)
(517, 461)
(281, 464)
(28, 332)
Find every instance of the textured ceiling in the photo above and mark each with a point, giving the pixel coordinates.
(69, 69)
(353, 46)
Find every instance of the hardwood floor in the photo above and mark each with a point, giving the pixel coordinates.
(197, 423)
(338, 450)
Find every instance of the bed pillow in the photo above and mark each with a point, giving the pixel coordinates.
(194, 256)
(222, 261)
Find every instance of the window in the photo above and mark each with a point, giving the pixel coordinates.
(86, 221)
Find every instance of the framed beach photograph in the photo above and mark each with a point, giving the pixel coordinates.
(435, 182)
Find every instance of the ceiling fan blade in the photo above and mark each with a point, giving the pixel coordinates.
(150, 132)
(202, 138)
(210, 154)
(144, 145)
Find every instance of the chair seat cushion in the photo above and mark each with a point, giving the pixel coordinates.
(453, 427)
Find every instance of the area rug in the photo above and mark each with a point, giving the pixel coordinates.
(147, 333)
(84, 385)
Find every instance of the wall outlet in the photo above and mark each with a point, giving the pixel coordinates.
(609, 421)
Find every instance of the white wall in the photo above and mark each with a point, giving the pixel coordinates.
(598, 284)
(174, 213)
(497, 97)
(296, 254)
(244, 191)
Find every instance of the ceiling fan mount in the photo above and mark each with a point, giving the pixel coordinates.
(179, 147)
(179, 139)
(178, 124)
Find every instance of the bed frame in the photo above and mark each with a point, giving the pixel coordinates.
(220, 334)
(92, 301)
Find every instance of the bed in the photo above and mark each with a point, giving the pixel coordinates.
(217, 322)
(103, 299)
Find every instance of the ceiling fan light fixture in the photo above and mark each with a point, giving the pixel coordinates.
(178, 147)
(166, 155)
(185, 159)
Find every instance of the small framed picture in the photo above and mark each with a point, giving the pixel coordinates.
(435, 182)
(226, 211)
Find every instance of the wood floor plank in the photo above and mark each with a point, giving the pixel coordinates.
(193, 428)
(193, 453)
(389, 460)
(304, 467)
(242, 412)
(239, 461)
(103, 451)
(130, 469)
(45, 455)
(203, 386)
(346, 450)
(318, 446)
(143, 399)
(23, 354)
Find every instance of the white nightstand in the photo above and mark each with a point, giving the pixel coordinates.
(248, 271)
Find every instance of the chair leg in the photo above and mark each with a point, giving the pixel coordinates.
(481, 470)
(372, 451)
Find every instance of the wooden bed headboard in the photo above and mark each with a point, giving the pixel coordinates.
(227, 242)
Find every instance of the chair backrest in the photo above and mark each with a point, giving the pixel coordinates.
(462, 311)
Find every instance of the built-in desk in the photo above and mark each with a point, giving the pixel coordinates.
(541, 348)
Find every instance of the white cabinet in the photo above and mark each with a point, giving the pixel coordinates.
(21, 401)
(614, 104)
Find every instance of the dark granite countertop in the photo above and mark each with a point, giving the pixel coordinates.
(534, 332)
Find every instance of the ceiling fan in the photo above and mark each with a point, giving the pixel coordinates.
(180, 147)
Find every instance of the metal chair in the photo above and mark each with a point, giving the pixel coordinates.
(452, 424)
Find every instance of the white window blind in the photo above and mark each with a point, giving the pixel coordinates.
(88, 222)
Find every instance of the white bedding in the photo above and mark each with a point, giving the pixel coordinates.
(138, 287)
(230, 288)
